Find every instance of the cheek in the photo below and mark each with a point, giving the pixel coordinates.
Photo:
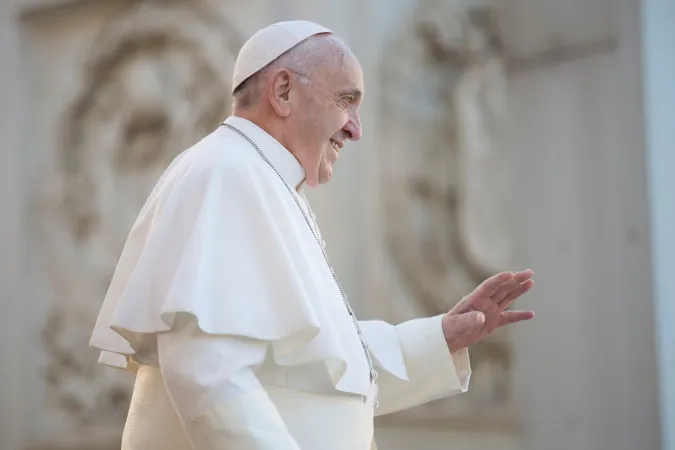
(320, 123)
(327, 121)
(341, 122)
(313, 127)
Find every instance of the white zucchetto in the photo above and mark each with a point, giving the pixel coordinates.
(268, 44)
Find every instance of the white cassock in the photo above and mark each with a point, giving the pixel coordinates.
(223, 306)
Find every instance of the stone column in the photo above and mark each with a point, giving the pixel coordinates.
(11, 238)
(658, 37)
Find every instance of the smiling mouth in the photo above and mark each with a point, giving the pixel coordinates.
(335, 145)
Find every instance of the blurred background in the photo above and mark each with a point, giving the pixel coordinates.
(497, 135)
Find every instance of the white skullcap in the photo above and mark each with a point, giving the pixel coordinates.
(268, 44)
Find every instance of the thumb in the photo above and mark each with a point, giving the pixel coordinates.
(467, 322)
(456, 325)
(458, 328)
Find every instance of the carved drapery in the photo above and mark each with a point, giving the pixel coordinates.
(156, 81)
(446, 186)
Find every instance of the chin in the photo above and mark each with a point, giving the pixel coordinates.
(326, 176)
(322, 176)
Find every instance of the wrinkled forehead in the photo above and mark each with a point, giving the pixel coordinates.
(343, 71)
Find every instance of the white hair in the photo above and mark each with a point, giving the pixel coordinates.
(300, 60)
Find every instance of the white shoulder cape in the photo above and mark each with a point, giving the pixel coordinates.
(221, 239)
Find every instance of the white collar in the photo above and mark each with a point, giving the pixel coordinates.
(281, 158)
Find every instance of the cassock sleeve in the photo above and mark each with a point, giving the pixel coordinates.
(414, 363)
(212, 383)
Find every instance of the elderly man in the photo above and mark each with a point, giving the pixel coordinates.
(224, 303)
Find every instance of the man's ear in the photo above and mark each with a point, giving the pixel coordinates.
(278, 90)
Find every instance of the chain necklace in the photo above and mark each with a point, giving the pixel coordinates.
(366, 349)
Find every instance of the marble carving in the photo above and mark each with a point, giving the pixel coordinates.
(154, 83)
(446, 179)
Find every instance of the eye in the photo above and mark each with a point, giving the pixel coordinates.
(346, 101)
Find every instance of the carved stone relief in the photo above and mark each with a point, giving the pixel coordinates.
(156, 82)
(446, 186)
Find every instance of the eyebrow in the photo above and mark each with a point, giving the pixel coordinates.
(355, 92)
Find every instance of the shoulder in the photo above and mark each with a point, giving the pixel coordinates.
(220, 157)
(219, 171)
(219, 152)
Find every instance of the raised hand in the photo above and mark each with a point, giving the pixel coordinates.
(481, 312)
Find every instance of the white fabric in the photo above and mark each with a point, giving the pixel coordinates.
(228, 413)
(221, 239)
(413, 363)
(223, 303)
(217, 396)
(268, 44)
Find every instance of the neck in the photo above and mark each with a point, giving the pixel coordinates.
(272, 127)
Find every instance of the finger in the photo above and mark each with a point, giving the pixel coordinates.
(523, 275)
(517, 292)
(509, 317)
(505, 289)
(488, 287)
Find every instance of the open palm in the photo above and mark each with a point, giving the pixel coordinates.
(481, 312)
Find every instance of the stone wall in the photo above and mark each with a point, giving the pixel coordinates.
(444, 188)
(450, 183)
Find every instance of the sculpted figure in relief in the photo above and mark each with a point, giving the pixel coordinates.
(446, 182)
(155, 83)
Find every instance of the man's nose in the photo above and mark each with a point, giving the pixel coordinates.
(353, 127)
